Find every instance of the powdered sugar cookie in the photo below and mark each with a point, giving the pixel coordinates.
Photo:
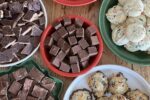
(118, 36)
(113, 26)
(116, 15)
(148, 21)
(144, 45)
(132, 47)
(135, 32)
(147, 10)
(122, 2)
(133, 8)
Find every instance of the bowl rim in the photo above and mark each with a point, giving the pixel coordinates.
(103, 32)
(53, 68)
(72, 3)
(35, 50)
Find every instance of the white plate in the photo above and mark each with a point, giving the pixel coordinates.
(135, 81)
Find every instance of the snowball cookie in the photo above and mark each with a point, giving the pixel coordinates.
(98, 83)
(81, 94)
(103, 98)
(122, 2)
(118, 97)
(133, 8)
(144, 45)
(140, 20)
(137, 95)
(113, 26)
(116, 15)
(118, 84)
(148, 21)
(132, 47)
(135, 32)
(119, 37)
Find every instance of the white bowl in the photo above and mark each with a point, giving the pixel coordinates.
(35, 50)
(135, 81)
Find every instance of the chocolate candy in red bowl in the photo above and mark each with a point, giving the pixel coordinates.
(75, 2)
(71, 46)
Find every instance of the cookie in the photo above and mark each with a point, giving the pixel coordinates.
(119, 37)
(118, 84)
(144, 45)
(98, 83)
(135, 32)
(122, 2)
(116, 15)
(133, 8)
(148, 21)
(103, 98)
(147, 9)
(137, 95)
(132, 47)
(81, 94)
(118, 97)
(113, 26)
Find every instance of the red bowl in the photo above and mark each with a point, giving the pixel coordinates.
(93, 62)
(74, 2)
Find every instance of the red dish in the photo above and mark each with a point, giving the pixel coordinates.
(46, 58)
(74, 2)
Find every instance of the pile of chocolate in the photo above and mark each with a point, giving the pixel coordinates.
(21, 25)
(72, 45)
(24, 85)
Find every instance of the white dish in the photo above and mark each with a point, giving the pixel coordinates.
(135, 81)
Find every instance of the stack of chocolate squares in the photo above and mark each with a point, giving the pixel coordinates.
(21, 25)
(72, 45)
(24, 85)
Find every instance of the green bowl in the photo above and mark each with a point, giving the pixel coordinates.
(136, 57)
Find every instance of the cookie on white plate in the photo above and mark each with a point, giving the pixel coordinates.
(144, 44)
(122, 2)
(147, 9)
(140, 20)
(133, 8)
(135, 32)
(132, 47)
(118, 36)
(116, 15)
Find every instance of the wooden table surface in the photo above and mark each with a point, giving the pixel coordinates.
(91, 12)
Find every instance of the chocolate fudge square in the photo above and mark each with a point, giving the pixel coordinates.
(71, 29)
(79, 22)
(49, 41)
(94, 40)
(64, 67)
(90, 30)
(85, 64)
(36, 74)
(57, 25)
(39, 92)
(27, 85)
(20, 74)
(92, 51)
(55, 36)
(75, 68)
(56, 62)
(72, 40)
(54, 50)
(62, 32)
(83, 43)
(67, 21)
(80, 32)
(75, 49)
(27, 49)
(14, 88)
(73, 59)
(61, 55)
(83, 55)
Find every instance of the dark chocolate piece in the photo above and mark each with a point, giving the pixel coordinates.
(24, 39)
(17, 31)
(83, 55)
(16, 7)
(26, 29)
(55, 36)
(92, 51)
(66, 47)
(22, 95)
(4, 77)
(61, 55)
(94, 40)
(36, 31)
(16, 47)
(4, 58)
(48, 83)
(62, 32)
(31, 98)
(64, 67)
(49, 41)
(85, 64)
(56, 62)
(34, 5)
(17, 19)
(39, 92)
(20, 74)
(7, 31)
(60, 42)
(14, 88)
(3, 5)
(1, 35)
(67, 21)
(79, 22)
(90, 30)
(21, 23)
(36, 75)
(83, 43)
(71, 29)
(7, 14)
(1, 14)
(3, 87)
(75, 68)
(27, 85)
(73, 59)
(30, 16)
(7, 41)
(76, 49)
(7, 22)
(80, 33)
(42, 20)
(35, 41)
(72, 40)
(54, 50)
(57, 25)
(27, 49)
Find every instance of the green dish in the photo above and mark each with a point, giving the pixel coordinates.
(30, 64)
(136, 57)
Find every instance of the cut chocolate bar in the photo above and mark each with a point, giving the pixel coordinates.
(20, 74)
(90, 30)
(64, 67)
(24, 39)
(55, 36)
(54, 50)
(92, 51)
(83, 43)
(4, 58)
(35, 41)
(16, 48)
(34, 5)
(7, 31)
(14, 88)
(76, 49)
(56, 62)
(27, 49)
(16, 7)
(36, 31)
(30, 16)
(7, 41)
(80, 33)
(39, 92)
(62, 32)
(7, 22)
(71, 29)
(73, 59)
(42, 20)
(57, 25)
(17, 31)
(75, 68)
(67, 21)
(7, 14)
(72, 40)
(36, 75)
(83, 55)
(94, 40)
(49, 41)
(26, 29)
(79, 22)
(61, 55)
